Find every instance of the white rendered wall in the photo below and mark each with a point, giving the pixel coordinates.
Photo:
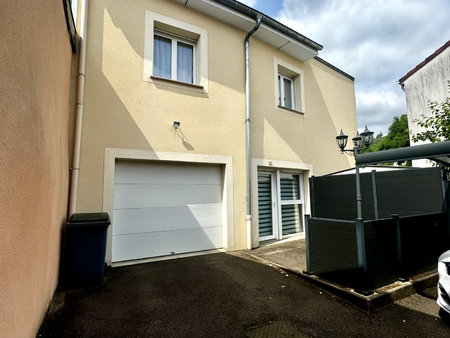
(429, 83)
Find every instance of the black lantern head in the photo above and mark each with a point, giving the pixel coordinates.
(341, 140)
(357, 140)
(367, 137)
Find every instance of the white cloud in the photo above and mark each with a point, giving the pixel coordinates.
(250, 3)
(376, 41)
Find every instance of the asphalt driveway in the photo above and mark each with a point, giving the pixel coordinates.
(222, 295)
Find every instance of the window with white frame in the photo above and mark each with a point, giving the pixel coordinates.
(175, 51)
(289, 87)
(173, 57)
(286, 93)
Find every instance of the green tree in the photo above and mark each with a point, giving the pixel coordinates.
(397, 137)
(437, 124)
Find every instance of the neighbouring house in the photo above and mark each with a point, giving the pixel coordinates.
(37, 40)
(426, 82)
(163, 145)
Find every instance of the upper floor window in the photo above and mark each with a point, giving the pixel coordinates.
(286, 93)
(175, 51)
(173, 58)
(289, 87)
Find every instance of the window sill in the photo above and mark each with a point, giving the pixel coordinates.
(291, 110)
(175, 82)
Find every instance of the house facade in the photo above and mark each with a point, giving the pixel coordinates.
(426, 82)
(167, 147)
(35, 81)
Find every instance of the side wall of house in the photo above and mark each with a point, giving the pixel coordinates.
(429, 83)
(34, 86)
(306, 136)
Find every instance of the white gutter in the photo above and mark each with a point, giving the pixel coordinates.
(247, 134)
(79, 110)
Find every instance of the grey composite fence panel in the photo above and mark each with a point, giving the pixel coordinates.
(423, 239)
(333, 250)
(381, 252)
(335, 197)
(403, 192)
(409, 192)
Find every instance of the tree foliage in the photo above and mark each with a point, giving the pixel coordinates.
(397, 137)
(437, 124)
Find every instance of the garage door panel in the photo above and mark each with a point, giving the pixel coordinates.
(161, 208)
(134, 221)
(164, 195)
(127, 247)
(175, 173)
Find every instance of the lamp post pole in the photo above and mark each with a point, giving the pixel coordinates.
(358, 187)
(360, 142)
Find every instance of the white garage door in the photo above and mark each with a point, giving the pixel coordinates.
(164, 209)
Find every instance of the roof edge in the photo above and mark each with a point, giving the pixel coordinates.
(253, 13)
(424, 62)
(334, 68)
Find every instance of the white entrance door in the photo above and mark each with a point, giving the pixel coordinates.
(280, 204)
(165, 208)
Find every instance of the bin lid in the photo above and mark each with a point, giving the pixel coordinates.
(89, 217)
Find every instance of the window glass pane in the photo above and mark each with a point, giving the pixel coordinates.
(290, 187)
(162, 57)
(265, 205)
(287, 93)
(291, 219)
(279, 91)
(185, 63)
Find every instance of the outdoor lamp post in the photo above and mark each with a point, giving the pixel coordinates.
(360, 142)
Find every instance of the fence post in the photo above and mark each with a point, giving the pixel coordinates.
(312, 196)
(374, 191)
(362, 257)
(446, 199)
(401, 264)
(308, 261)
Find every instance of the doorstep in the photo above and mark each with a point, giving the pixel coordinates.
(290, 256)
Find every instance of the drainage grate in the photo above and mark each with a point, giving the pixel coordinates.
(275, 329)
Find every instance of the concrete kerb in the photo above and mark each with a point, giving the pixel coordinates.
(381, 296)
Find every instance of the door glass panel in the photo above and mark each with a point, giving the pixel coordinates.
(290, 187)
(291, 219)
(265, 205)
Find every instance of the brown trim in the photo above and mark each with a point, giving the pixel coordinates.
(162, 79)
(424, 62)
(70, 24)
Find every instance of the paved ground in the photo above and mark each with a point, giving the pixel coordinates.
(223, 295)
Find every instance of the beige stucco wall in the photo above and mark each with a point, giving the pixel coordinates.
(34, 86)
(280, 134)
(124, 111)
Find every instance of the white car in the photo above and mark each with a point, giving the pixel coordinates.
(444, 282)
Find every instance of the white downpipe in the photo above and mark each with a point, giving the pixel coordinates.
(247, 132)
(79, 110)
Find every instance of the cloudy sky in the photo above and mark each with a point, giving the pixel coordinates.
(375, 41)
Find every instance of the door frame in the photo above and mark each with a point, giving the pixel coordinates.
(267, 165)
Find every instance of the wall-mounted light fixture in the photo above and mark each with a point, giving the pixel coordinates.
(176, 124)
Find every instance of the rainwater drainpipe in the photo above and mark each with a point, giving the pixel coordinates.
(79, 110)
(247, 125)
